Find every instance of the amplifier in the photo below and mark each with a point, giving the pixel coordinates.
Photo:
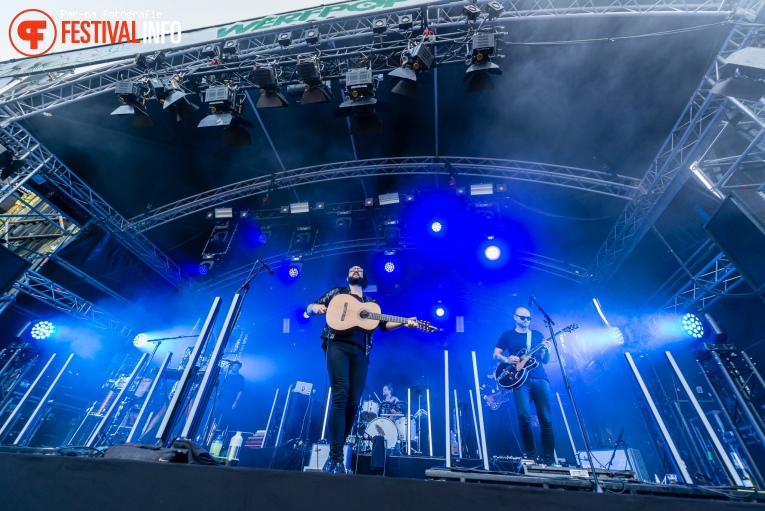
(320, 453)
(624, 459)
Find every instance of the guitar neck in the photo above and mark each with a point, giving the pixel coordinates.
(388, 317)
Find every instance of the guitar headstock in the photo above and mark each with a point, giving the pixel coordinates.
(425, 326)
(570, 328)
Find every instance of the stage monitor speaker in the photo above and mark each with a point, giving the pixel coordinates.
(624, 459)
(320, 453)
(11, 268)
(738, 228)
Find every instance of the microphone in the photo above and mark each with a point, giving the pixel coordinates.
(266, 267)
(531, 300)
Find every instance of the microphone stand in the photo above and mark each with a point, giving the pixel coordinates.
(616, 448)
(549, 323)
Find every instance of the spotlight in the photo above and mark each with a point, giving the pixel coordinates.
(618, 336)
(43, 330)
(436, 226)
(494, 9)
(405, 22)
(284, 38)
(480, 64)
(471, 12)
(390, 267)
(294, 269)
(170, 95)
(270, 97)
(379, 25)
(692, 326)
(140, 340)
(360, 104)
(132, 95)
(204, 267)
(311, 35)
(211, 51)
(225, 112)
(309, 72)
(230, 48)
(419, 59)
(440, 311)
(492, 252)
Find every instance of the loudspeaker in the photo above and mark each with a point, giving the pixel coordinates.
(320, 453)
(624, 459)
(11, 268)
(738, 228)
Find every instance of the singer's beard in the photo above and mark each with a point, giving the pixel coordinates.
(355, 281)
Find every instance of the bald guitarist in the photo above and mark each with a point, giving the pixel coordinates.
(536, 388)
(347, 356)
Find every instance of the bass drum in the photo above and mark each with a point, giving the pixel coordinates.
(385, 428)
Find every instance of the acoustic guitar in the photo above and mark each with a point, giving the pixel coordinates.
(346, 312)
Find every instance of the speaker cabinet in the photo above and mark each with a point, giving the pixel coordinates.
(624, 459)
(320, 453)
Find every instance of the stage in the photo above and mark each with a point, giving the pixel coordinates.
(36, 481)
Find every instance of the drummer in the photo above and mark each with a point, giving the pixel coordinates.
(391, 404)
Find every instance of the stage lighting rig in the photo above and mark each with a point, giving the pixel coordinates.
(171, 96)
(471, 12)
(309, 72)
(413, 62)
(265, 78)
(360, 103)
(226, 111)
(132, 95)
(483, 47)
(494, 9)
(311, 35)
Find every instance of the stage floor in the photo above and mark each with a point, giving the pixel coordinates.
(31, 482)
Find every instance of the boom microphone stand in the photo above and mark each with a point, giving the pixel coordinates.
(549, 322)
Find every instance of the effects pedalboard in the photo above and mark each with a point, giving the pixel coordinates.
(529, 467)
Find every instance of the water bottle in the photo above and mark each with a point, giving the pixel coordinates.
(216, 446)
(234, 445)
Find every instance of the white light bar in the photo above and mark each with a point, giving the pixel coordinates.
(389, 198)
(482, 189)
(299, 207)
(224, 212)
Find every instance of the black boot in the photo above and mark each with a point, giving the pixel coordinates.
(340, 467)
(329, 466)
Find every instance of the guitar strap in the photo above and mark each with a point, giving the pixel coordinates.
(528, 340)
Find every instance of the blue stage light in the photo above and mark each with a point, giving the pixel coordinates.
(440, 312)
(390, 267)
(492, 252)
(43, 330)
(692, 326)
(140, 339)
(203, 269)
(293, 272)
(262, 238)
(436, 226)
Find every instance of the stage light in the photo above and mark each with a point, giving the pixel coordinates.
(343, 222)
(226, 112)
(379, 25)
(263, 238)
(405, 22)
(596, 302)
(299, 207)
(482, 189)
(211, 51)
(43, 330)
(388, 198)
(369, 201)
(316, 91)
(492, 252)
(204, 267)
(494, 9)
(171, 96)
(436, 226)
(360, 103)
(742, 75)
(230, 48)
(266, 79)
(618, 336)
(140, 340)
(440, 311)
(132, 95)
(284, 38)
(311, 35)
(413, 62)
(294, 269)
(390, 267)
(471, 12)
(483, 46)
(692, 326)
(391, 233)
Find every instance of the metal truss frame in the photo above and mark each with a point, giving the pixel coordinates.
(263, 47)
(570, 177)
(60, 176)
(240, 274)
(50, 293)
(659, 185)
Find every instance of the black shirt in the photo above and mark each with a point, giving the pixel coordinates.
(513, 342)
(355, 335)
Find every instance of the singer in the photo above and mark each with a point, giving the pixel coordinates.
(347, 361)
(536, 388)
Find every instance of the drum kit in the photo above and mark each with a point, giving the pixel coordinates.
(387, 420)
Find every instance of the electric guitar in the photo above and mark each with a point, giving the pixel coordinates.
(346, 312)
(495, 399)
(512, 376)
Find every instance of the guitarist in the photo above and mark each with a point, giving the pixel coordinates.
(536, 387)
(347, 360)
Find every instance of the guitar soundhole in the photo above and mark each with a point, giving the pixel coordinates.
(364, 314)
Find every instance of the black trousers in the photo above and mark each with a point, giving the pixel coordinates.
(536, 390)
(347, 365)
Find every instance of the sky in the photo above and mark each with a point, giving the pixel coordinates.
(191, 14)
